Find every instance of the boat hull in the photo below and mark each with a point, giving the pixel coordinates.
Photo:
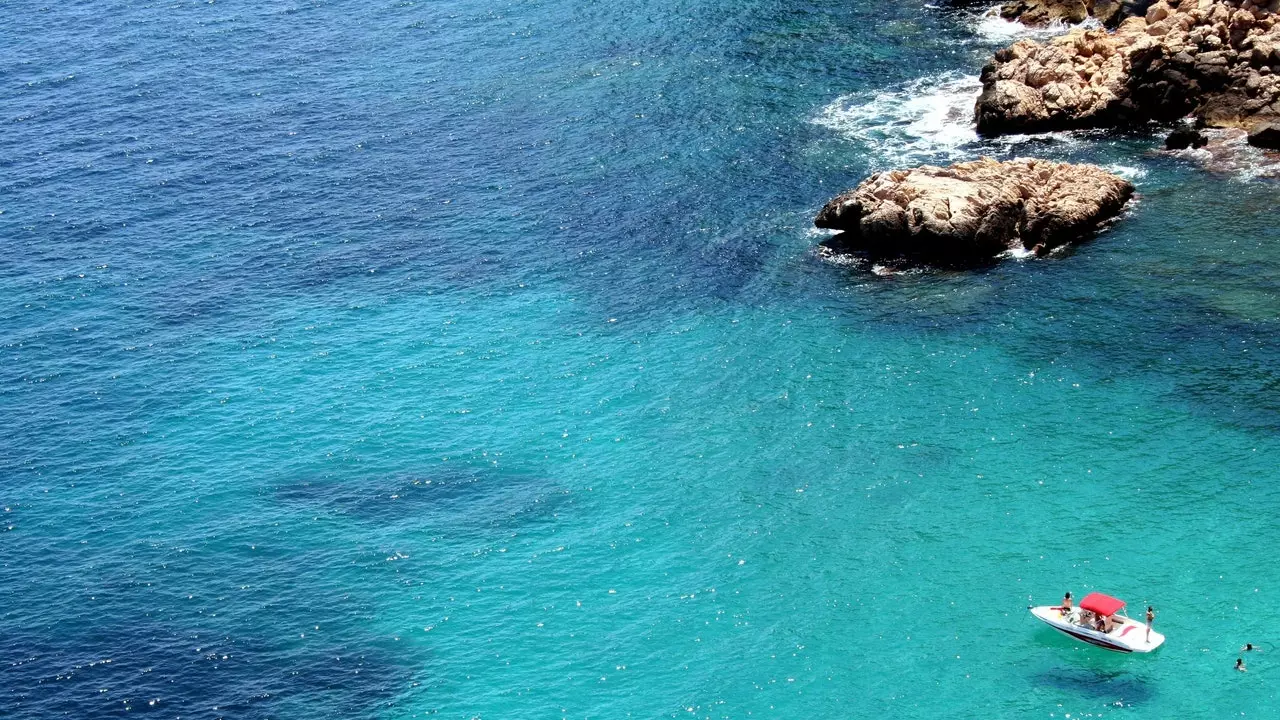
(1127, 635)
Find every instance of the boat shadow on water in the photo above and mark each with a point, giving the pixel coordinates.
(1122, 687)
(1093, 673)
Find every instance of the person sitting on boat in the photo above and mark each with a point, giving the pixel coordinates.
(1100, 624)
(1066, 603)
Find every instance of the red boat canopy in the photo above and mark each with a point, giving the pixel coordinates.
(1101, 604)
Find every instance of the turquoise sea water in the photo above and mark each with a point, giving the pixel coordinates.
(467, 359)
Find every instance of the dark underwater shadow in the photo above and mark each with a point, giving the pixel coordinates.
(456, 499)
(1093, 673)
(127, 664)
(842, 249)
(1095, 683)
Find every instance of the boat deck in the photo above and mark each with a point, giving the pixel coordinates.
(1126, 634)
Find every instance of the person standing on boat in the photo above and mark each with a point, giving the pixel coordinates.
(1151, 616)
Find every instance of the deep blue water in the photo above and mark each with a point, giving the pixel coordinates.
(472, 360)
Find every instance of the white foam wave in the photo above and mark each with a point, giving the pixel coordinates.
(1229, 153)
(927, 120)
(824, 233)
(1128, 172)
(1018, 254)
(930, 122)
(837, 258)
(990, 26)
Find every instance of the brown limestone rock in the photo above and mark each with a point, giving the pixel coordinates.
(1043, 12)
(1216, 59)
(969, 213)
(1037, 13)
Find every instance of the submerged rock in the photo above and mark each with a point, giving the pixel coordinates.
(1216, 59)
(970, 213)
(1227, 151)
(1184, 138)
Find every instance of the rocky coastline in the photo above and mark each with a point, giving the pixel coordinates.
(1216, 61)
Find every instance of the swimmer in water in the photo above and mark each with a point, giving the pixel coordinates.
(1250, 647)
(1240, 665)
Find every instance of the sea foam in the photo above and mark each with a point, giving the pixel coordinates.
(1128, 172)
(930, 121)
(991, 27)
(926, 120)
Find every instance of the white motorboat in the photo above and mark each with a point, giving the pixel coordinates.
(1098, 621)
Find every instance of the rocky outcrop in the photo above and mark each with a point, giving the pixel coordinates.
(1184, 138)
(1216, 59)
(969, 213)
(1043, 12)
(1265, 135)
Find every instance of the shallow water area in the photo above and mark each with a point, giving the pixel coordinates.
(473, 360)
